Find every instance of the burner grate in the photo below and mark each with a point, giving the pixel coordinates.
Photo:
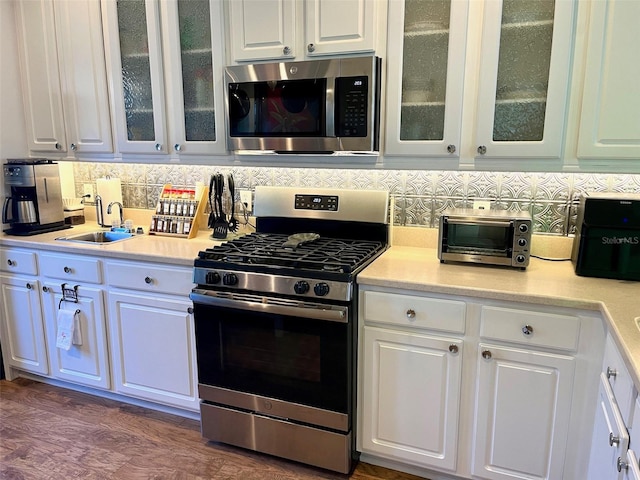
(323, 254)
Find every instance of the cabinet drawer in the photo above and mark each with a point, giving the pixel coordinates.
(71, 268)
(18, 261)
(615, 370)
(415, 311)
(150, 278)
(530, 328)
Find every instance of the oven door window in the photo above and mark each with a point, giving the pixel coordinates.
(495, 240)
(288, 358)
(275, 109)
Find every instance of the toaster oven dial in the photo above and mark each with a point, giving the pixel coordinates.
(301, 287)
(321, 289)
(520, 259)
(522, 242)
(523, 227)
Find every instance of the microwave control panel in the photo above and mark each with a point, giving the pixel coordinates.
(351, 113)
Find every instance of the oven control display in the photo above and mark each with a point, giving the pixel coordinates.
(317, 202)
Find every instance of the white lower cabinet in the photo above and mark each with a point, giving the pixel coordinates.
(512, 407)
(152, 336)
(523, 406)
(85, 363)
(411, 396)
(25, 337)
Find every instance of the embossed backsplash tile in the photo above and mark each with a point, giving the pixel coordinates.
(418, 196)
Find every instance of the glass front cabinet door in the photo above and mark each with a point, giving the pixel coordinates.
(425, 65)
(164, 59)
(524, 77)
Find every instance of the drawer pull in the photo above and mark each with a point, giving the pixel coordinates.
(527, 330)
(613, 440)
(611, 372)
(411, 313)
(453, 348)
(148, 280)
(67, 270)
(621, 465)
(11, 263)
(486, 354)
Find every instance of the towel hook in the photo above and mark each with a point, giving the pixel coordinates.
(68, 294)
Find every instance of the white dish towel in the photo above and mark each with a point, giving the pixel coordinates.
(68, 329)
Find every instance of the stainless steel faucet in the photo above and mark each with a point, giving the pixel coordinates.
(121, 211)
(99, 216)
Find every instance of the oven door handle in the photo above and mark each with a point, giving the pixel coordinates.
(332, 313)
(488, 223)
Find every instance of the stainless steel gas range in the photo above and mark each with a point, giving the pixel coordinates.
(275, 318)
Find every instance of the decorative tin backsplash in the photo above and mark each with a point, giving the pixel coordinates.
(419, 196)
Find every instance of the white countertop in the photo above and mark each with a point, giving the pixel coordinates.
(543, 282)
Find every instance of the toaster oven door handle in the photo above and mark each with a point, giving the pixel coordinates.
(488, 223)
(332, 313)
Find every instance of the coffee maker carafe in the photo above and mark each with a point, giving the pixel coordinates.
(34, 197)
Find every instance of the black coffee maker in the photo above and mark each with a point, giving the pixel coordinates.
(34, 197)
(607, 241)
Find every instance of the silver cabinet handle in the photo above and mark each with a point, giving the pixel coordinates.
(29, 286)
(486, 354)
(611, 372)
(58, 146)
(451, 148)
(177, 147)
(620, 465)
(311, 48)
(453, 348)
(74, 147)
(190, 310)
(482, 149)
(411, 313)
(11, 263)
(67, 270)
(613, 440)
(148, 280)
(527, 330)
(158, 146)
(286, 51)
(45, 289)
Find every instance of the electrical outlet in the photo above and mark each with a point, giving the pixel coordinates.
(88, 190)
(482, 204)
(246, 198)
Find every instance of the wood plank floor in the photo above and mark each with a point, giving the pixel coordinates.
(50, 433)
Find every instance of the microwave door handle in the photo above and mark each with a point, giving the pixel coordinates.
(488, 223)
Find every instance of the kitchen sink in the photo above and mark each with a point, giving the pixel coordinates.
(103, 236)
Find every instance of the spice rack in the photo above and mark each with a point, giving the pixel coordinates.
(178, 212)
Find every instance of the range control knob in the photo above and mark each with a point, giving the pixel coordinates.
(321, 289)
(301, 287)
(524, 228)
(520, 259)
(522, 242)
(212, 278)
(229, 279)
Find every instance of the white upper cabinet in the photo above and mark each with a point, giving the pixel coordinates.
(290, 29)
(165, 70)
(524, 61)
(64, 76)
(425, 74)
(610, 122)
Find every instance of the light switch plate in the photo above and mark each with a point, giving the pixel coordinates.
(88, 190)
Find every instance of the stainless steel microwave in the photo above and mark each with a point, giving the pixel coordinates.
(492, 237)
(316, 106)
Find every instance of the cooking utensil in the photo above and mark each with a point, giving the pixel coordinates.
(221, 225)
(297, 239)
(212, 213)
(233, 221)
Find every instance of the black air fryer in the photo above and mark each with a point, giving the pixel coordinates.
(607, 241)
